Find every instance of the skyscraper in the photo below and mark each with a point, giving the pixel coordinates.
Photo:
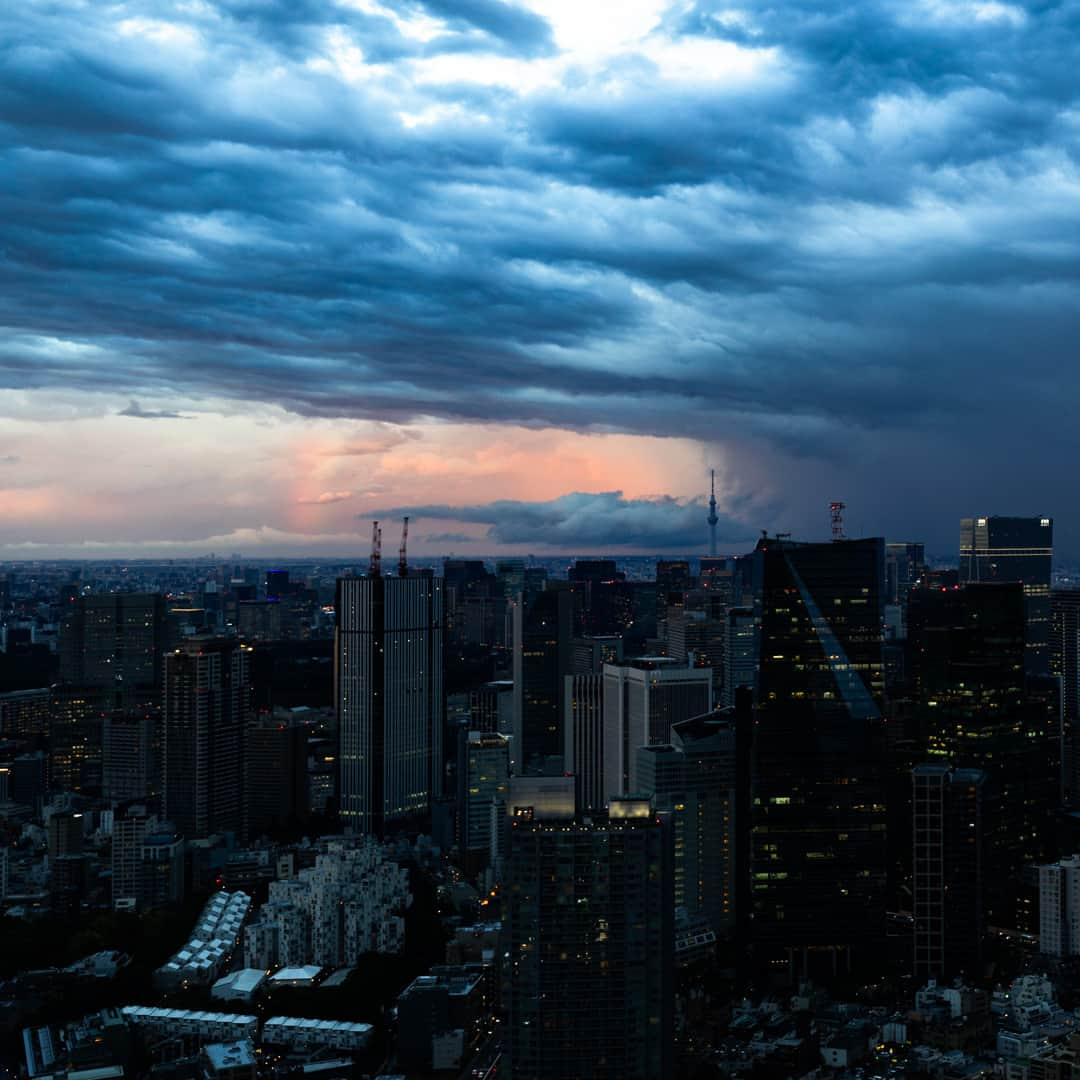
(483, 777)
(584, 750)
(1004, 549)
(948, 861)
(1059, 908)
(114, 644)
(1065, 665)
(701, 778)
(207, 710)
(975, 708)
(389, 699)
(542, 651)
(590, 921)
(642, 699)
(818, 841)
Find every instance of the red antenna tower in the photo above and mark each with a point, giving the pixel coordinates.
(376, 550)
(836, 513)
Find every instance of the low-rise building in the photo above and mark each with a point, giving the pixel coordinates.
(301, 1034)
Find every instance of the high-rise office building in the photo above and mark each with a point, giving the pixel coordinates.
(584, 748)
(491, 707)
(542, 635)
(1065, 665)
(483, 779)
(206, 714)
(147, 861)
(276, 764)
(590, 654)
(995, 550)
(697, 638)
(973, 707)
(948, 861)
(642, 699)
(590, 923)
(65, 834)
(389, 694)
(818, 841)
(1059, 908)
(603, 598)
(129, 745)
(75, 720)
(24, 714)
(114, 643)
(702, 780)
(673, 580)
(740, 653)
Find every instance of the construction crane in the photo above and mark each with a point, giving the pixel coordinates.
(836, 515)
(712, 519)
(402, 558)
(376, 550)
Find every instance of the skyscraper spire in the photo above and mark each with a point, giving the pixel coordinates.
(713, 519)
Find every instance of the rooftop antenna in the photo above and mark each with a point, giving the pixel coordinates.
(402, 559)
(712, 519)
(836, 514)
(376, 550)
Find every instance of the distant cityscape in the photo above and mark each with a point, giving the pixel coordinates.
(808, 809)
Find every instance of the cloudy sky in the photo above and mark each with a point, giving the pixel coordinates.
(527, 269)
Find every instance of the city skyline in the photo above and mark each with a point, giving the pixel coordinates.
(527, 269)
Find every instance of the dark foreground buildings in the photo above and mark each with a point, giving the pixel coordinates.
(818, 855)
(590, 920)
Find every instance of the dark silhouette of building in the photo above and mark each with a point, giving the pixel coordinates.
(1003, 549)
(114, 644)
(642, 699)
(542, 654)
(389, 698)
(975, 708)
(603, 598)
(818, 842)
(590, 923)
(584, 746)
(207, 710)
(702, 779)
(948, 865)
(673, 581)
(276, 762)
(1065, 665)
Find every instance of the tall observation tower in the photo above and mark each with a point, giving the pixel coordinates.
(713, 519)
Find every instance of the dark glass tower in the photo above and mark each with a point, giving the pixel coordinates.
(1065, 665)
(591, 939)
(1001, 549)
(818, 855)
(975, 708)
(206, 714)
(542, 657)
(948, 860)
(389, 695)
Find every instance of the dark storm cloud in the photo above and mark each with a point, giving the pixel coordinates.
(582, 519)
(815, 230)
(136, 410)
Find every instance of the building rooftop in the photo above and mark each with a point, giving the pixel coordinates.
(230, 1055)
(298, 1023)
(244, 981)
(307, 973)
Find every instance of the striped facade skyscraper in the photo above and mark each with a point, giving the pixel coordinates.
(389, 698)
